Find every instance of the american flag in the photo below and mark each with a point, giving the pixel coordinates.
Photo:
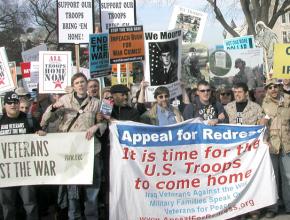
(154, 61)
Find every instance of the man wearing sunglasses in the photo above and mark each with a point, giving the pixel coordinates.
(162, 113)
(15, 122)
(205, 107)
(276, 106)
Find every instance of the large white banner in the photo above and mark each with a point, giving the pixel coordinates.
(55, 70)
(188, 171)
(57, 158)
(75, 21)
(6, 81)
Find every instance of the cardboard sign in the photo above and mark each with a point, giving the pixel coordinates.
(117, 13)
(75, 21)
(243, 42)
(99, 53)
(33, 53)
(25, 69)
(192, 23)
(281, 67)
(126, 44)
(55, 70)
(6, 81)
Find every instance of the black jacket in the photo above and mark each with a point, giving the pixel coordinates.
(125, 113)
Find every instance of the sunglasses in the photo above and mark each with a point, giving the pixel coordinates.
(14, 102)
(163, 96)
(109, 97)
(204, 90)
(273, 87)
(225, 93)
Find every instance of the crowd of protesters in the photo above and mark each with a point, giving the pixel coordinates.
(267, 106)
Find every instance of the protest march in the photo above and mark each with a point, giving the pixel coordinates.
(107, 118)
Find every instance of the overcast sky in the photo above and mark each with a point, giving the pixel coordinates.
(156, 18)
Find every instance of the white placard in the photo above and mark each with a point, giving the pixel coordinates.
(117, 13)
(33, 53)
(75, 21)
(6, 81)
(55, 69)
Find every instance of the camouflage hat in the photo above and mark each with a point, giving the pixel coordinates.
(271, 81)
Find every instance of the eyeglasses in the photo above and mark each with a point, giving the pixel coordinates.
(273, 87)
(109, 97)
(225, 93)
(163, 96)
(10, 103)
(204, 90)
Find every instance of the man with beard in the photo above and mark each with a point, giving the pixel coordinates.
(276, 106)
(121, 109)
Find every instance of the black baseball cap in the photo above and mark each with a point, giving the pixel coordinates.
(11, 97)
(119, 88)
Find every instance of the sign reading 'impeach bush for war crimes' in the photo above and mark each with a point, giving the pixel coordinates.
(126, 44)
(36, 160)
(188, 171)
(75, 21)
(54, 71)
(99, 53)
(6, 81)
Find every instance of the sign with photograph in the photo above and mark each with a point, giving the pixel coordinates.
(55, 70)
(243, 42)
(188, 171)
(281, 67)
(163, 61)
(126, 44)
(192, 23)
(6, 81)
(242, 65)
(118, 13)
(99, 53)
(75, 21)
(33, 53)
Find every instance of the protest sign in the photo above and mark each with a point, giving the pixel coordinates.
(281, 66)
(117, 13)
(99, 53)
(230, 66)
(126, 44)
(163, 61)
(33, 53)
(6, 81)
(123, 80)
(243, 42)
(75, 21)
(12, 67)
(55, 69)
(192, 23)
(36, 160)
(25, 69)
(188, 171)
